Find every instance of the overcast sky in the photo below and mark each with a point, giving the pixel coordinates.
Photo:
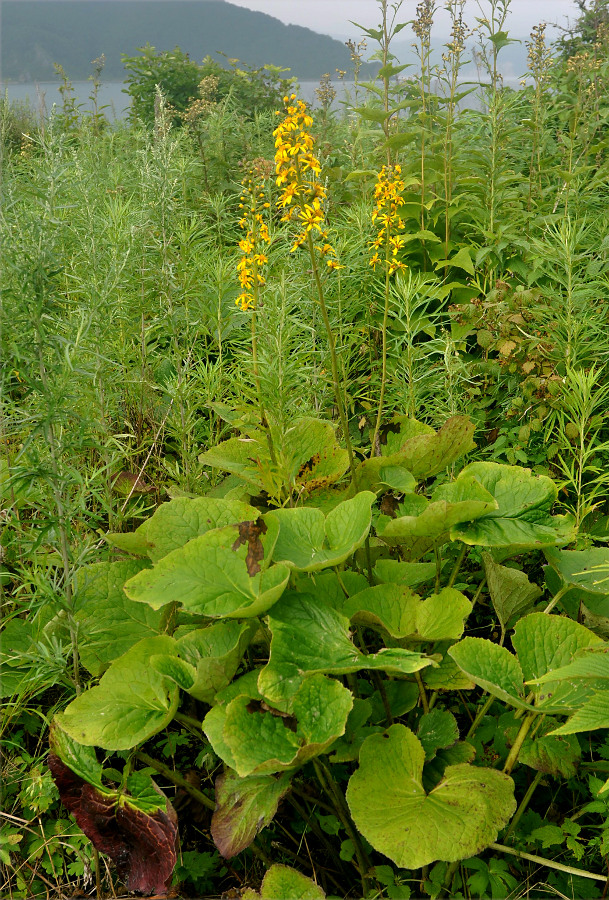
(332, 16)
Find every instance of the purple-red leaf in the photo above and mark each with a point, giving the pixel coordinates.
(142, 846)
(244, 806)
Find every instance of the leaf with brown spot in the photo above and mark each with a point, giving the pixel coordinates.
(249, 532)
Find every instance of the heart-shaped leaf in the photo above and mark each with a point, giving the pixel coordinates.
(281, 882)
(404, 615)
(130, 704)
(307, 457)
(179, 521)
(424, 452)
(522, 519)
(458, 818)
(225, 572)
(262, 740)
(309, 541)
(462, 500)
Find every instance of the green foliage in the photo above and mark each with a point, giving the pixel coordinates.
(333, 569)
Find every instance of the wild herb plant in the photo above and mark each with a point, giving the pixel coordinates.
(337, 633)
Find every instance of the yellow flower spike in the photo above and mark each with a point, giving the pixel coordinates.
(297, 169)
(257, 234)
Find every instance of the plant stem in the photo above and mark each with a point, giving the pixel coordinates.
(550, 863)
(422, 692)
(450, 874)
(480, 715)
(523, 805)
(558, 597)
(176, 779)
(329, 785)
(333, 361)
(376, 447)
(189, 722)
(457, 566)
(517, 745)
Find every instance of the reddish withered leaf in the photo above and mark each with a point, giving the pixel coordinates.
(142, 845)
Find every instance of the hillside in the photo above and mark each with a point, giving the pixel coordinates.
(37, 33)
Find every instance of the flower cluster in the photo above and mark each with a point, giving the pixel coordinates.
(388, 203)
(302, 196)
(253, 200)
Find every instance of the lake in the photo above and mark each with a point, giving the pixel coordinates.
(44, 94)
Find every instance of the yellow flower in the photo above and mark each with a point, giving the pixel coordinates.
(388, 203)
(297, 170)
(257, 234)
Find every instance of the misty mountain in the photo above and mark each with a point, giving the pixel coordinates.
(37, 33)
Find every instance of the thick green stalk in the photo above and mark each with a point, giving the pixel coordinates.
(549, 863)
(517, 745)
(333, 360)
(342, 811)
(176, 779)
(522, 807)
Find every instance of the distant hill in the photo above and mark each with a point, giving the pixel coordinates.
(37, 33)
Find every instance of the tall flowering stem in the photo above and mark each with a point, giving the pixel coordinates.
(302, 202)
(253, 258)
(388, 203)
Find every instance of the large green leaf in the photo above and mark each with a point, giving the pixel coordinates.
(225, 572)
(244, 806)
(215, 654)
(544, 643)
(179, 521)
(552, 754)
(130, 704)
(307, 457)
(309, 637)
(522, 520)
(392, 571)
(404, 615)
(281, 883)
(462, 500)
(585, 681)
(458, 818)
(109, 623)
(492, 667)
(262, 740)
(587, 569)
(309, 541)
(424, 452)
(512, 593)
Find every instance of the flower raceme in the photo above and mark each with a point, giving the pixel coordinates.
(253, 257)
(302, 197)
(388, 203)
